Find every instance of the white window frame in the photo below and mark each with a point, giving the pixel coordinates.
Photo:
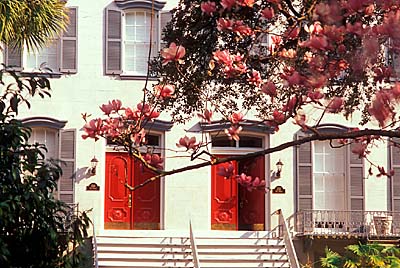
(346, 175)
(155, 46)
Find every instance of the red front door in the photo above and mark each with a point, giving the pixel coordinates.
(252, 204)
(125, 209)
(233, 207)
(224, 199)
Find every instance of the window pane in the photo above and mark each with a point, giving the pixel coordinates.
(47, 56)
(137, 42)
(250, 142)
(47, 137)
(130, 33)
(222, 141)
(153, 140)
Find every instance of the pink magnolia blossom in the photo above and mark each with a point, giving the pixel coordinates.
(242, 29)
(112, 127)
(141, 112)
(147, 111)
(188, 143)
(268, 13)
(360, 149)
(154, 160)
(139, 138)
(269, 88)
(235, 118)
(208, 7)
(173, 53)
(233, 132)
(225, 24)
(315, 95)
(226, 170)
(380, 108)
(254, 78)
(250, 183)
(248, 3)
(315, 28)
(335, 105)
(290, 105)
(316, 42)
(164, 91)
(228, 4)
(278, 118)
(288, 53)
(292, 33)
(111, 106)
(223, 57)
(93, 129)
(300, 119)
(206, 116)
(292, 78)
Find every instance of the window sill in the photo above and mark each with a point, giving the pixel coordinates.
(41, 74)
(126, 76)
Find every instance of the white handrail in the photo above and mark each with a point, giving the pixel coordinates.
(194, 247)
(285, 234)
(95, 258)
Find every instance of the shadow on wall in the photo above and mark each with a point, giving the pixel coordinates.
(82, 173)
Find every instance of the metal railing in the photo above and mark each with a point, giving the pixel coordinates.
(94, 243)
(287, 238)
(354, 223)
(193, 245)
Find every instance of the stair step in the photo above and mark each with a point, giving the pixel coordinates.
(234, 264)
(238, 241)
(144, 263)
(143, 240)
(127, 248)
(158, 256)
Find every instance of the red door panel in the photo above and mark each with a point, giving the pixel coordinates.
(224, 209)
(117, 214)
(124, 209)
(252, 204)
(146, 201)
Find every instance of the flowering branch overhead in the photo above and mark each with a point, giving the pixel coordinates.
(278, 59)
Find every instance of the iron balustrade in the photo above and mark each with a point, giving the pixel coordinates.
(354, 223)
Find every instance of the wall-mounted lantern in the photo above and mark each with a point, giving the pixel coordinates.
(93, 166)
(278, 171)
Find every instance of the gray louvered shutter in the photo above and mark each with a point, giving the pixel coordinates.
(395, 180)
(304, 176)
(356, 166)
(113, 42)
(13, 58)
(67, 155)
(69, 48)
(165, 17)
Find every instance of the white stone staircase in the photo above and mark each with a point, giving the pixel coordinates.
(117, 249)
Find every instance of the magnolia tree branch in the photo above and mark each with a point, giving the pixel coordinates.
(313, 137)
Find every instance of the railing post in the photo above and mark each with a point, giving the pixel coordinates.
(193, 245)
(285, 235)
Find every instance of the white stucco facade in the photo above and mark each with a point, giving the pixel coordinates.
(185, 196)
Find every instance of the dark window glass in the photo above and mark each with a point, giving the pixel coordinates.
(222, 141)
(250, 142)
(153, 140)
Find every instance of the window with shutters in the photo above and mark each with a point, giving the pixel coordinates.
(394, 185)
(329, 177)
(393, 58)
(133, 33)
(60, 145)
(59, 56)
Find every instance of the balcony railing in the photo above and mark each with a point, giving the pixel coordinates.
(374, 224)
